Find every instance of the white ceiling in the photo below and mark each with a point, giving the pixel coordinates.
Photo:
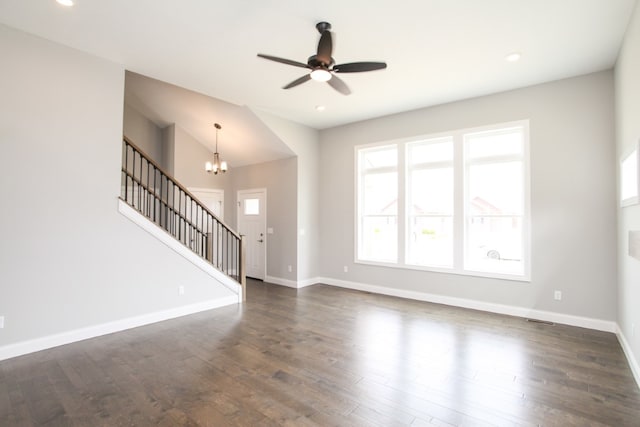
(437, 51)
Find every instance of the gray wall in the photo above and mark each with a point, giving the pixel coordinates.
(305, 143)
(572, 196)
(143, 133)
(279, 179)
(628, 133)
(189, 158)
(68, 259)
(169, 149)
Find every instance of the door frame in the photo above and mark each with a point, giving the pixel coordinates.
(264, 232)
(194, 190)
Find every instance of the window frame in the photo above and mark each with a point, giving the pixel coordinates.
(360, 196)
(460, 187)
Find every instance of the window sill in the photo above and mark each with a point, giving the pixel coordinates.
(471, 273)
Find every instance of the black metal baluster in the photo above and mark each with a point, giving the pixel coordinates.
(189, 222)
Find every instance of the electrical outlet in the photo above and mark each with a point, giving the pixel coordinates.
(557, 295)
(346, 269)
(1, 322)
(180, 290)
(289, 268)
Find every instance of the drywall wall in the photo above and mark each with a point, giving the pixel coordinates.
(279, 179)
(143, 133)
(627, 76)
(304, 142)
(68, 259)
(189, 158)
(572, 197)
(168, 149)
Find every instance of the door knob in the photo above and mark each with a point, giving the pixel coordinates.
(260, 240)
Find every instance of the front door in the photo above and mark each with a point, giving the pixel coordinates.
(252, 224)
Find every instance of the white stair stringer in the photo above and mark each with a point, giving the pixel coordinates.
(156, 231)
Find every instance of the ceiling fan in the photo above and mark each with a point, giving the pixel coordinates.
(322, 65)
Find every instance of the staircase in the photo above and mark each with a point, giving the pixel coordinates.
(161, 199)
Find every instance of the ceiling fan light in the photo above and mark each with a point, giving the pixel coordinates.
(321, 75)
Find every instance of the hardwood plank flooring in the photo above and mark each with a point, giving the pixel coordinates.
(324, 356)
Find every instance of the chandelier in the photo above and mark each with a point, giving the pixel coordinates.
(217, 165)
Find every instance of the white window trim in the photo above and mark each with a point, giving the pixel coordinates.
(459, 200)
(358, 198)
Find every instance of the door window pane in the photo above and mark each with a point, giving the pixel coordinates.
(252, 206)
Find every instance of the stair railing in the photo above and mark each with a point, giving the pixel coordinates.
(160, 198)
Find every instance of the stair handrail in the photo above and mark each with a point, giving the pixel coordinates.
(180, 186)
(130, 176)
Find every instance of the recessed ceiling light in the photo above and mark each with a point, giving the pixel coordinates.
(65, 2)
(320, 107)
(513, 57)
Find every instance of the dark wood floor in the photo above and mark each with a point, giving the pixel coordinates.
(327, 356)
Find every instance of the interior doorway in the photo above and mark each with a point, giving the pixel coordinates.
(212, 198)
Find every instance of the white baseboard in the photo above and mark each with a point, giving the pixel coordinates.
(282, 282)
(308, 282)
(633, 364)
(291, 283)
(31, 346)
(566, 319)
(151, 228)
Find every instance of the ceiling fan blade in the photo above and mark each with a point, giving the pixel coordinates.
(299, 81)
(283, 61)
(325, 46)
(336, 83)
(358, 67)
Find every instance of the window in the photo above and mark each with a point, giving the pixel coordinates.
(252, 207)
(629, 178)
(457, 202)
(378, 201)
(494, 201)
(430, 203)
